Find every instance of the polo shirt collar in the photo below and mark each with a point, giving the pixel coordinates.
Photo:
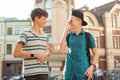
(35, 33)
(82, 32)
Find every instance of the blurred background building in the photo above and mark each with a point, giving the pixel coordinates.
(10, 29)
(103, 23)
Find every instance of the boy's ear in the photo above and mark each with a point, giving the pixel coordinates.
(37, 18)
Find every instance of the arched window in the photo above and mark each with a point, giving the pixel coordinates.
(114, 20)
(48, 8)
(89, 21)
(116, 42)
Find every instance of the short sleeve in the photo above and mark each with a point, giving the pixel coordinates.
(92, 41)
(22, 38)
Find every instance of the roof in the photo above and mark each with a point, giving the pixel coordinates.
(13, 20)
(100, 10)
(105, 7)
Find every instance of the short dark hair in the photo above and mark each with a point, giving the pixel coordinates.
(39, 13)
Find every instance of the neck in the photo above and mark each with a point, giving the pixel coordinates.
(78, 29)
(36, 29)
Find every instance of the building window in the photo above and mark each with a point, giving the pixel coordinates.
(26, 28)
(16, 68)
(96, 41)
(9, 48)
(116, 43)
(115, 20)
(17, 30)
(9, 31)
(1, 29)
(118, 20)
(102, 41)
(12, 68)
(48, 8)
(0, 47)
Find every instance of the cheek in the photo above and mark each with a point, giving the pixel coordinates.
(73, 23)
(43, 21)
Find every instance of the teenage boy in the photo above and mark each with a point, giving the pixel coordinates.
(32, 46)
(77, 66)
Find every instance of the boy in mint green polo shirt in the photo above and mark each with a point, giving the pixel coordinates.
(77, 65)
(33, 47)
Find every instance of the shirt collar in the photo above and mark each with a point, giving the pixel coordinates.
(35, 33)
(82, 32)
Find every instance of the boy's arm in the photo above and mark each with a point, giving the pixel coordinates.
(63, 42)
(95, 56)
(25, 54)
(94, 51)
(19, 53)
(89, 71)
(50, 48)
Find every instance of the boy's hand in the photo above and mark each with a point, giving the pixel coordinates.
(69, 25)
(50, 47)
(89, 72)
(41, 57)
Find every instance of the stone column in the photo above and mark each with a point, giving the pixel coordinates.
(109, 41)
(59, 18)
(110, 61)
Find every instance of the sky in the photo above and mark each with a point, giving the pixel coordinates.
(90, 3)
(16, 8)
(21, 8)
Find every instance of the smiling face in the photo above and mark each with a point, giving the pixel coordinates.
(41, 21)
(38, 17)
